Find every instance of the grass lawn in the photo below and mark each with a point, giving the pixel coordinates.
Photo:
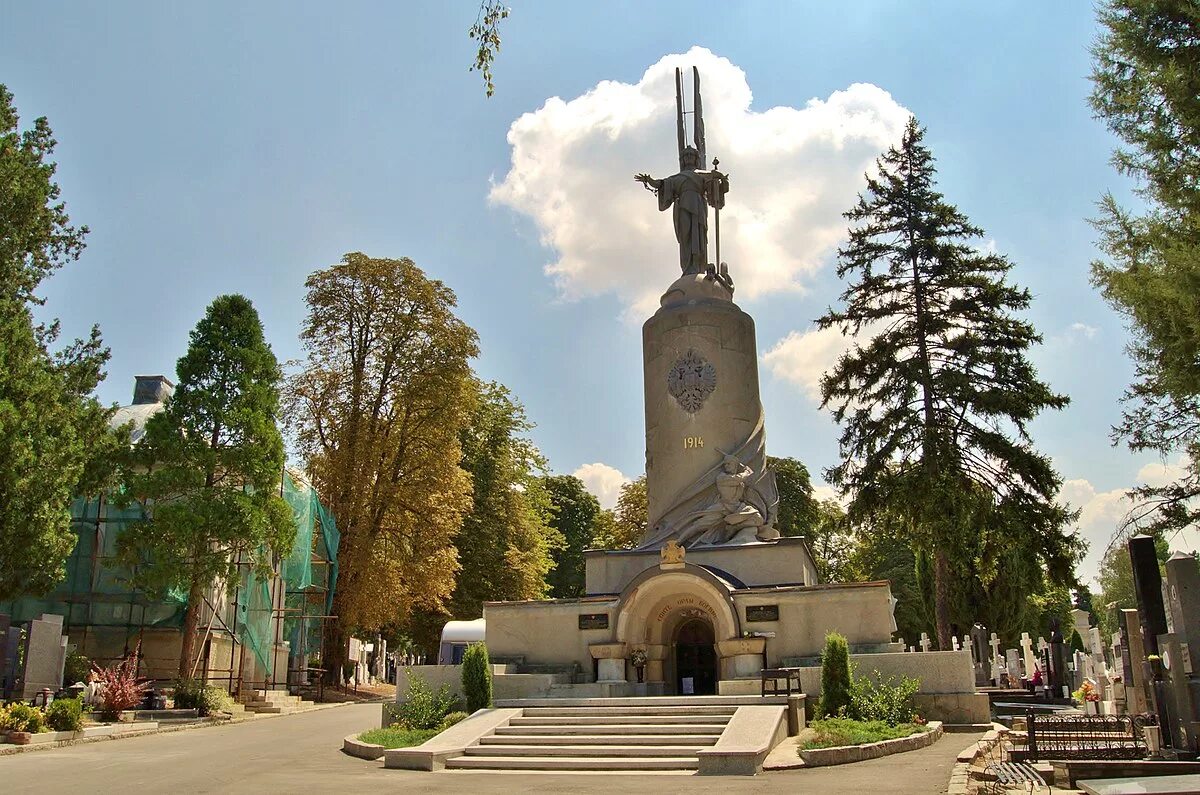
(396, 738)
(832, 732)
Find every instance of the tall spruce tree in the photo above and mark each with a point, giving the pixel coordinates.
(208, 470)
(1147, 90)
(54, 436)
(935, 400)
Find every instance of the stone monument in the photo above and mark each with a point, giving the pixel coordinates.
(707, 479)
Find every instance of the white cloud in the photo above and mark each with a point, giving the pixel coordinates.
(1083, 330)
(822, 492)
(803, 357)
(793, 172)
(603, 481)
(1102, 512)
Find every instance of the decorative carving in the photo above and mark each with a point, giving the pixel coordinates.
(672, 553)
(691, 379)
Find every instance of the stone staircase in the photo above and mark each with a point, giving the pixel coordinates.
(632, 736)
(273, 702)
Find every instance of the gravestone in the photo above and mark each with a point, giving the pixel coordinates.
(1013, 662)
(45, 654)
(1183, 681)
(1027, 655)
(979, 654)
(1136, 671)
(925, 642)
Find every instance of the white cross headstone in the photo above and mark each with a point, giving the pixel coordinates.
(954, 643)
(1027, 653)
(1042, 645)
(925, 643)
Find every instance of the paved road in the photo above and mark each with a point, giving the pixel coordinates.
(302, 754)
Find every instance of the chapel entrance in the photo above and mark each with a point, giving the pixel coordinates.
(695, 659)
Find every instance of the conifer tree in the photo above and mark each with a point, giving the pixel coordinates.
(935, 397)
(208, 470)
(54, 435)
(1147, 90)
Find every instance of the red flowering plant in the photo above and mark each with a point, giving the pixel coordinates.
(120, 686)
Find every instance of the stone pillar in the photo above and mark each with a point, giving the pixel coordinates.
(656, 656)
(611, 662)
(741, 658)
(714, 408)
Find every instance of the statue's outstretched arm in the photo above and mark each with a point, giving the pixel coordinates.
(650, 183)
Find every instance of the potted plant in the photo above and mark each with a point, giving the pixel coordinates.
(638, 658)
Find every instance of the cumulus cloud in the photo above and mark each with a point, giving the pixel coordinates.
(1102, 512)
(793, 171)
(603, 481)
(803, 357)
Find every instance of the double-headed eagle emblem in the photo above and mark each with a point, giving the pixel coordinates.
(691, 379)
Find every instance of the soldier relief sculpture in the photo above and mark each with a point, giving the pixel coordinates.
(736, 500)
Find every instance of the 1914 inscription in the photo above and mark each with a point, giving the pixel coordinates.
(693, 442)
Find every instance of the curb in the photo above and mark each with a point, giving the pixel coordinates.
(11, 750)
(818, 757)
(354, 747)
(960, 774)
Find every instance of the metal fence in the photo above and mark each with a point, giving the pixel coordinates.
(1087, 736)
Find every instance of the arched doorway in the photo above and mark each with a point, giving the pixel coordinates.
(695, 659)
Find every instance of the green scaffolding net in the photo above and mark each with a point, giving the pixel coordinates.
(96, 592)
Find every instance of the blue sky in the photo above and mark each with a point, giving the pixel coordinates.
(231, 147)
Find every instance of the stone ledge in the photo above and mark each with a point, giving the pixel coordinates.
(354, 747)
(433, 753)
(844, 754)
(744, 744)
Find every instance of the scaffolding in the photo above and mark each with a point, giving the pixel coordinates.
(292, 603)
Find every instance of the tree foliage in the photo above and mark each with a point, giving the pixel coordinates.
(832, 542)
(378, 411)
(577, 518)
(798, 512)
(837, 687)
(625, 526)
(54, 436)
(504, 547)
(477, 677)
(935, 402)
(1116, 584)
(1147, 90)
(486, 31)
(207, 471)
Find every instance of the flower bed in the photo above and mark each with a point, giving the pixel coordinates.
(842, 754)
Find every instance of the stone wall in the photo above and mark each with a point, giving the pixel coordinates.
(860, 611)
(546, 633)
(786, 561)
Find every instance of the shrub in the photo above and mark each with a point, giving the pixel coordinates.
(836, 684)
(213, 699)
(75, 668)
(65, 714)
(187, 693)
(19, 717)
(423, 708)
(477, 677)
(122, 688)
(451, 719)
(883, 699)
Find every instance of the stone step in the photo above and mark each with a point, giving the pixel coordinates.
(622, 718)
(632, 751)
(600, 739)
(572, 763)
(644, 701)
(614, 728)
(580, 712)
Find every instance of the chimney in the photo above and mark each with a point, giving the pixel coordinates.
(151, 389)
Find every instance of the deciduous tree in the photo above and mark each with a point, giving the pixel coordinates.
(798, 512)
(626, 525)
(934, 405)
(378, 411)
(504, 547)
(576, 516)
(208, 469)
(54, 436)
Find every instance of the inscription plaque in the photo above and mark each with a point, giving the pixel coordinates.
(762, 613)
(593, 621)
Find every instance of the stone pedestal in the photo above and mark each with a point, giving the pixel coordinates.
(700, 363)
(610, 659)
(741, 658)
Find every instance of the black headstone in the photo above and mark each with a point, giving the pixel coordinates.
(1147, 586)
